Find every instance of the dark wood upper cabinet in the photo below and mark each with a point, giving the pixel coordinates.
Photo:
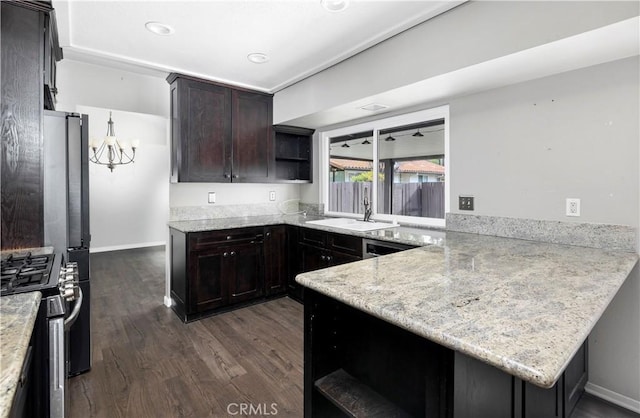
(201, 132)
(52, 54)
(28, 37)
(293, 154)
(219, 133)
(252, 116)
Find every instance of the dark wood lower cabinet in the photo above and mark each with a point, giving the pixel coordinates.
(208, 288)
(320, 249)
(575, 378)
(244, 269)
(215, 271)
(359, 365)
(377, 369)
(276, 259)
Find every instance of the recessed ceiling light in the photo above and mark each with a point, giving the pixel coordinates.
(159, 28)
(258, 58)
(374, 106)
(334, 5)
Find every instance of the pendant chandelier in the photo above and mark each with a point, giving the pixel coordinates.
(112, 152)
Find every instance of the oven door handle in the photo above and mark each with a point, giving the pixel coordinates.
(74, 314)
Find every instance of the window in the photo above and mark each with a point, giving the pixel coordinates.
(410, 155)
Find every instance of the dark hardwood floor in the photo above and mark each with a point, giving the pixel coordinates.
(147, 363)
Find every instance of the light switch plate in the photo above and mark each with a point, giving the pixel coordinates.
(465, 202)
(212, 197)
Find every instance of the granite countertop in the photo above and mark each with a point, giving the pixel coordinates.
(401, 234)
(17, 317)
(524, 307)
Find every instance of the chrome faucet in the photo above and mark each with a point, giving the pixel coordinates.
(367, 207)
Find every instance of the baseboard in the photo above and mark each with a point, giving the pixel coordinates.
(126, 246)
(613, 397)
(167, 301)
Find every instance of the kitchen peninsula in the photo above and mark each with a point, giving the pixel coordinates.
(480, 325)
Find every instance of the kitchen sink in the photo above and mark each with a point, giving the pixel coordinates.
(352, 224)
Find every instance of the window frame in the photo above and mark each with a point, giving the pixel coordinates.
(441, 112)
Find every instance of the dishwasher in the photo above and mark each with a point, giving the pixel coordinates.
(374, 248)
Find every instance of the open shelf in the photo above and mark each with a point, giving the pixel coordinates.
(356, 399)
(360, 366)
(292, 153)
(278, 158)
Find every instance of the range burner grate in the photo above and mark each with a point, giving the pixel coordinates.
(22, 271)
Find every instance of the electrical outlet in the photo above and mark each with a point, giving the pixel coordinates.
(212, 197)
(272, 196)
(465, 202)
(573, 207)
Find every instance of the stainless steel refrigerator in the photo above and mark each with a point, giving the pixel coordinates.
(66, 214)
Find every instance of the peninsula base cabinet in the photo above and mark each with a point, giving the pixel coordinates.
(359, 365)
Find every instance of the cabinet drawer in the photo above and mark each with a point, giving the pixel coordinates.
(313, 237)
(199, 240)
(345, 244)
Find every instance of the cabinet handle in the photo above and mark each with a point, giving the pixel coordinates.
(329, 258)
(268, 234)
(233, 253)
(226, 254)
(229, 237)
(323, 257)
(235, 176)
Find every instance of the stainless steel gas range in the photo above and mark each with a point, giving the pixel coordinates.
(44, 393)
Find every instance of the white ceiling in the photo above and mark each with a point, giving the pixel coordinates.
(213, 38)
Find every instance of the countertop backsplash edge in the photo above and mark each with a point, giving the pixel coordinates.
(592, 235)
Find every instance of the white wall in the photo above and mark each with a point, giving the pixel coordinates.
(521, 150)
(129, 207)
(195, 194)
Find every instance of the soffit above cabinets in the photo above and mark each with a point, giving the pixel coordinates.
(609, 43)
(213, 38)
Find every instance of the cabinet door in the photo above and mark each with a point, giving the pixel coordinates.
(575, 378)
(245, 273)
(22, 109)
(295, 265)
(52, 54)
(204, 136)
(208, 279)
(253, 158)
(336, 258)
(541, 403)
(312, 258)
(480, 390)
(276, 259)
